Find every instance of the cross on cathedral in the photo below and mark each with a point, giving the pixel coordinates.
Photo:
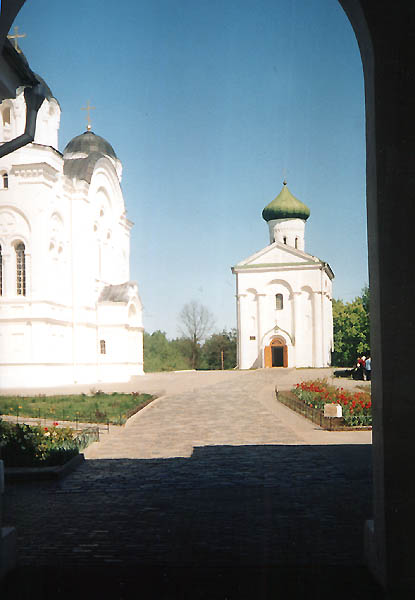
(284, 174)
(88, 108)
(15, 37)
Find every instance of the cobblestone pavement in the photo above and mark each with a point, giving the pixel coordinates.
(219, 476)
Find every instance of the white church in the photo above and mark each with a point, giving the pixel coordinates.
(68, 311)
(284, 295)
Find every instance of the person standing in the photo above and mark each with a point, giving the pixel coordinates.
(361, 367)
(368, 368)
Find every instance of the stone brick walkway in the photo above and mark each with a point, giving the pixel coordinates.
(215, 491)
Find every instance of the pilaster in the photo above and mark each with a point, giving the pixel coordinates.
(260, 298)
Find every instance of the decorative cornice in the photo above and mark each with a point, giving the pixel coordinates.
(275, 266)
(33, 172)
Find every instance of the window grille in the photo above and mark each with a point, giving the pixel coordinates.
(279, 302)
(102, 347)
(20, 270)
(5, 181)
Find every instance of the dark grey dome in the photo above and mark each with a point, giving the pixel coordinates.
(81, 168)
(87, 143)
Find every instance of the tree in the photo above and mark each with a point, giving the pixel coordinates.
(196, 322)
(160, 354)
(351, 329)
(214, 346)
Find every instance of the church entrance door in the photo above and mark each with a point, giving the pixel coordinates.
(276, 354)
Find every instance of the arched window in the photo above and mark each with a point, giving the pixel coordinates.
(1, 273)
(5, 181)
(279, 302)
(6, 115)
(296, 242)
(102, 347)
(20, 269)
(285, 239)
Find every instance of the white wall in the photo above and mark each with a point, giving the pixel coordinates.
(77, 241)
(305, 322)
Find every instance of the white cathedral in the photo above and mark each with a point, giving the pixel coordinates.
(284, 295)
(68, 312)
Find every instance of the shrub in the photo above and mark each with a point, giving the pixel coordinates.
(30, 446)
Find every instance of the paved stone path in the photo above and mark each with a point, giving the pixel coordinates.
(213, 474)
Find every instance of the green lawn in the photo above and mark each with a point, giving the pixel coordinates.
(97, 408)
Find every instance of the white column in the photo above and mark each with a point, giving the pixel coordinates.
(294, 328)
(260, 312)
(9, 274)
(243, 330)
(28, 274)
(317, 341)
(323, 323)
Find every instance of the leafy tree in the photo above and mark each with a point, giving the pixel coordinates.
(351, 329)
(160, 354)
(196, 322)
(213, 347)
(366, 299)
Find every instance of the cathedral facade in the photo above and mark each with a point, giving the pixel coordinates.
(68, 311)
(284, 295)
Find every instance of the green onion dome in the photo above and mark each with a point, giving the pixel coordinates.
(285, 206)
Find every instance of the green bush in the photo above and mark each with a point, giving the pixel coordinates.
(33, 446)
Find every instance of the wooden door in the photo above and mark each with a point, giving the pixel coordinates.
(285, 356)
(267, 357)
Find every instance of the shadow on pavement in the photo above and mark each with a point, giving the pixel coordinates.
(229, 522)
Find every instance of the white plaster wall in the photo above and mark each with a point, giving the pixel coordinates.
(77, 241)
(305, 322)
(47, 122)
(287, 231)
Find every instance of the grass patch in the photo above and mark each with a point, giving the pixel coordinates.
(97, 407)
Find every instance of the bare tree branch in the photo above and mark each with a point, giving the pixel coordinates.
(196, 323)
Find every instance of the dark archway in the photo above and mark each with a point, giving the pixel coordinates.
(385, 34)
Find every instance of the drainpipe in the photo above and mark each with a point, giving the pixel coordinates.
(34, 97)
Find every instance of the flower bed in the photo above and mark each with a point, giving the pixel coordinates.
(356, 406)
(35, 446)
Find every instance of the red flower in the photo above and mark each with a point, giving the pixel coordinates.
(46, 429)
(55, 424)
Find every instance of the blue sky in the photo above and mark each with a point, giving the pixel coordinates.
(208, 104)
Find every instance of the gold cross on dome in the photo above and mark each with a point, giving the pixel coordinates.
(88, 107)
(284, 174)
(15, 37)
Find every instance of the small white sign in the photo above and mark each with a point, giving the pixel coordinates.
(332, 410)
